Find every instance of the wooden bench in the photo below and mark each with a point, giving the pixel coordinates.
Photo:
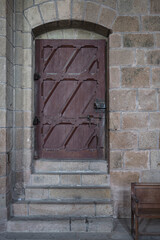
(145, 203)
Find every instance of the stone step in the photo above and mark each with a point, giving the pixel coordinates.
(67, 192)
(70, 166)
(70, 225)
(62, 178)
(63, 209)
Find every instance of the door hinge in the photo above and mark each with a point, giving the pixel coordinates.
(36, 121)
(37, 76)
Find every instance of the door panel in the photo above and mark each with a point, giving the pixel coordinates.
(72, 77)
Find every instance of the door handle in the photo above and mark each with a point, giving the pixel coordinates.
(99, 104)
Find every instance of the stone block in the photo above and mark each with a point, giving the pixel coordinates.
(26, 82)
(3, 139)
(3, 9)
(150, 176)
(3, 214)
(123, 179)
(121, 57)
(158, 40)
(27, 99)
(92, 11)
(27, 138)
(115, 41)
(135, 120)
(154, 6)
(74, 166)
(151, 23)
(2, 118)
(107, 17)
(70, 179)
(132, 7)
(140, 57)
(3, 188)
(135, 77)
(108, 3)
(123, 140)
(19, 22)
(3, 27)
(114, 121)
(2, 200)
(19, 209)
(155, 120)
(156, 77)
(155, 160)
(23, 160)
(46, 166)
(36, 194)
(122, 100)
(138, 40)
(114, 81)
(3, 46)
(42, 179)
(40, 1)
(79, 193)
(18, 55)
(27, 40)
(28, 3)
(98, 166)
(27, 57)
(104, 210)
(100, 225)
(78, 225)
(18, 6)
(147, 100)
(3, 70)
(3, 164)
(153, 57)
(136, 160)
(126, 24)
(148, 140)
(116, 159)
(64, 9)
(33, 16)
(48, 11)
(78, 10)
(95, 179)
(62, 209)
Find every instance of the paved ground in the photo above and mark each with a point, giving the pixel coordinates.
(121, 231)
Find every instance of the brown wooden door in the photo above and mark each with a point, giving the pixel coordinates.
(72, 79)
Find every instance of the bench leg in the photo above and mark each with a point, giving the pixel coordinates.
(132, 222)
(136, 227)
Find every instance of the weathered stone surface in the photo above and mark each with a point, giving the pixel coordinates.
(3, 188)
(3, 46)
(3, 164)
(121, 57)
(3, 70)
(3, 26)
(78, 225)
(155, 6)
(114, 121)
(76, 193)
(136, 160)
(36, 194)
(153, 57)
(109, 3)
(44, 179)
(104, 210)
(126, 24)
(155, 120)
(33, 16)
(48, 11)
(40, 1)
(155, 160)
(96, 179)
(138, 40)
(2, 118)
(116, 160)
(92, 10)
(70, 179)
(158, 40)
(135, 120)
(148, 140)
(114, 77)
(151, 23)
(28, 3)
(23, 160)
(135, 77)
(147, 100)
(98, 166)
(3, 8)
(115, 40)
(77, 9)
(150, 176)
(19, 209)
(62, 209)
(123, 140)
(64, 11)
(123, 180)
(2, 139)
(156, 77)
(122, 100)
(107, 17)
(140, 57)
(27, 57)
(133, 7)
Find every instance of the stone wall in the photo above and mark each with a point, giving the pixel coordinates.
(133, 85)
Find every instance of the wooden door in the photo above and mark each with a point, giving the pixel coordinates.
(70, 93)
